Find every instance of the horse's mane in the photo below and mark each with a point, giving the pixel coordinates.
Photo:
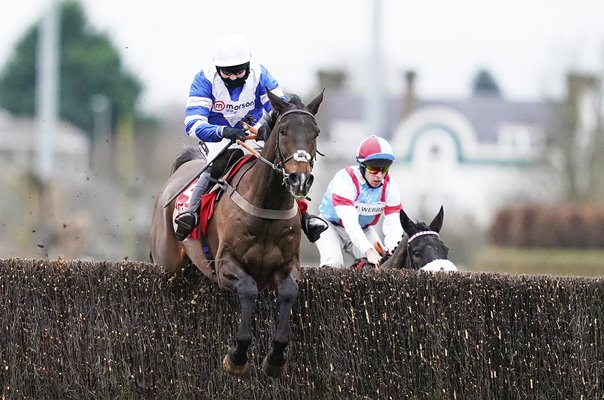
(293, 99)
(422, 226)
(188, 154)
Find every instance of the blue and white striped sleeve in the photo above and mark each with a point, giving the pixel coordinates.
(267, 81)
(198, 109)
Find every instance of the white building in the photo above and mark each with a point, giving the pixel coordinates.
(471, 155)
(18, 147)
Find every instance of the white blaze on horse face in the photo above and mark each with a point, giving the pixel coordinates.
(299, 162)
(302, 156)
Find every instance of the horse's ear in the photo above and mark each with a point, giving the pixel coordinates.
(406, 223)
(313, 106)
(277, 102)
(437, 222)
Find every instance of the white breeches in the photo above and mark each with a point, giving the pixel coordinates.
(335, 239)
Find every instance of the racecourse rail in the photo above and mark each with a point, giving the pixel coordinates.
(100, 330)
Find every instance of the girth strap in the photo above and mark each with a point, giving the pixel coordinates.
(256, 211)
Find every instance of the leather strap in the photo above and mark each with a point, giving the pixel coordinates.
(260, 212)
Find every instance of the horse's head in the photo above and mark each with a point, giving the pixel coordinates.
(292, 144)
(424, 244)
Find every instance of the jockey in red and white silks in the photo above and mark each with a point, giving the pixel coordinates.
(353, 203)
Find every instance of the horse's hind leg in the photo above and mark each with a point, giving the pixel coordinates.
(274, 363)
(235, 361)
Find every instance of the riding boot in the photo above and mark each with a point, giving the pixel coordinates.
(187, 220)
(312, 226)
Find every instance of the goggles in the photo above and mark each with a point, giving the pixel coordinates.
(227, 74)
(375, 170)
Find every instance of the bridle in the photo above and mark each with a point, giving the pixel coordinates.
(415, 236)
(279, 167)
(422, 233)
(300, 155)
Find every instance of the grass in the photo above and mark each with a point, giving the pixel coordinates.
(577, 262)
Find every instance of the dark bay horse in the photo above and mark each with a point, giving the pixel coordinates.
(256, 244)
(421, 246)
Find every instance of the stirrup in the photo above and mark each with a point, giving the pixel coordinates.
(185, 223)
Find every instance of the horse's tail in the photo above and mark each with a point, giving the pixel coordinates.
(188, 154)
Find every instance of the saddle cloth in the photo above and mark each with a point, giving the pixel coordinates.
(208, 200)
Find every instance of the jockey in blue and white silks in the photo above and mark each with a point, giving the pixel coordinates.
(355, 199)
(212, 106)
(223, 94)
(220, 98)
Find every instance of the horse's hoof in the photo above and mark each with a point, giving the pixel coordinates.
(232, 368)
(273, 371)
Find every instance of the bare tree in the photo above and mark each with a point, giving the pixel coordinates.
(578, 141)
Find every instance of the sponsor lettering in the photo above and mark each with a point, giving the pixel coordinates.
(369, 209)
(237, 107)
(221, 106)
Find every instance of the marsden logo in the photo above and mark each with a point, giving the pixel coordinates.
(219, 105)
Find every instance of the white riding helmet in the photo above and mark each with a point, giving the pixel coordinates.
(230, 50)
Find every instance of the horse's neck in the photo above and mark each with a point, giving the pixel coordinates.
(264, 188)
(401, 257)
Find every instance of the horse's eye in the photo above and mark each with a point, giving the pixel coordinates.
(417, 254)
(281, 131)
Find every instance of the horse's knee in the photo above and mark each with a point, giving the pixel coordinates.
(246, 288)
(288, 290)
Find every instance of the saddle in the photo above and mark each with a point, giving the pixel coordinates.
(208, 200)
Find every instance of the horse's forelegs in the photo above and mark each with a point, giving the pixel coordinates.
(235, 361)
(274, 363)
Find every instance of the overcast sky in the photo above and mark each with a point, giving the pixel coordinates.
(527, 45)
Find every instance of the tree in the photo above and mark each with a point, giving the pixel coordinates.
(580, 142)
(90, 66)
(485, 84)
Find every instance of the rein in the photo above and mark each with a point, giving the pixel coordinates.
(279, 167)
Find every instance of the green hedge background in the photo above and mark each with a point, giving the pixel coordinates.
(562, 225)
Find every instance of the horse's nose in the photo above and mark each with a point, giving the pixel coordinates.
(309, 180)
(300, 183)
